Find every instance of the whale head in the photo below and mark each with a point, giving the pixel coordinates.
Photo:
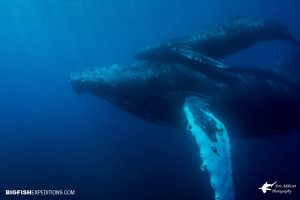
(153, 91)
(113, 81)
(125, 86)
(165, 52)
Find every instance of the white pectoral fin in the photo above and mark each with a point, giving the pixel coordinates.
(214, 145)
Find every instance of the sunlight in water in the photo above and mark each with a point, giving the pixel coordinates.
(214, 149)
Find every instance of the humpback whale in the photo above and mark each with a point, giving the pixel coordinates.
(260, 101)
(204, 96)
(217, 42)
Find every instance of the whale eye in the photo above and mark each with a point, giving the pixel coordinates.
(203, 167)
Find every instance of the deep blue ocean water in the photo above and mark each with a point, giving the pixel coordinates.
(53, 138)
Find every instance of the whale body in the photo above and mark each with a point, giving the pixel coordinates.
(218, 42)
(258, 101)
(252, 98)
(182, 84)
(248, 103)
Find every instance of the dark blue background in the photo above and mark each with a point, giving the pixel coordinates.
(52, 138)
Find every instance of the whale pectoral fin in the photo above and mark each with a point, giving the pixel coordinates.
(213, 142)
(197, 60)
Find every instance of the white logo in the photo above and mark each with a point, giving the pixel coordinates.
(278, 188)
(267, 187)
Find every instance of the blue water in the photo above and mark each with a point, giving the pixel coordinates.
(53, 138)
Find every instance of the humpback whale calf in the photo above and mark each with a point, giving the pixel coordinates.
(207, 103)
(217, 42)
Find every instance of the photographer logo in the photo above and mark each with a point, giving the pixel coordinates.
(277, 188)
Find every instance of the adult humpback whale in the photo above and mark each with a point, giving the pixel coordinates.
(204, 97)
